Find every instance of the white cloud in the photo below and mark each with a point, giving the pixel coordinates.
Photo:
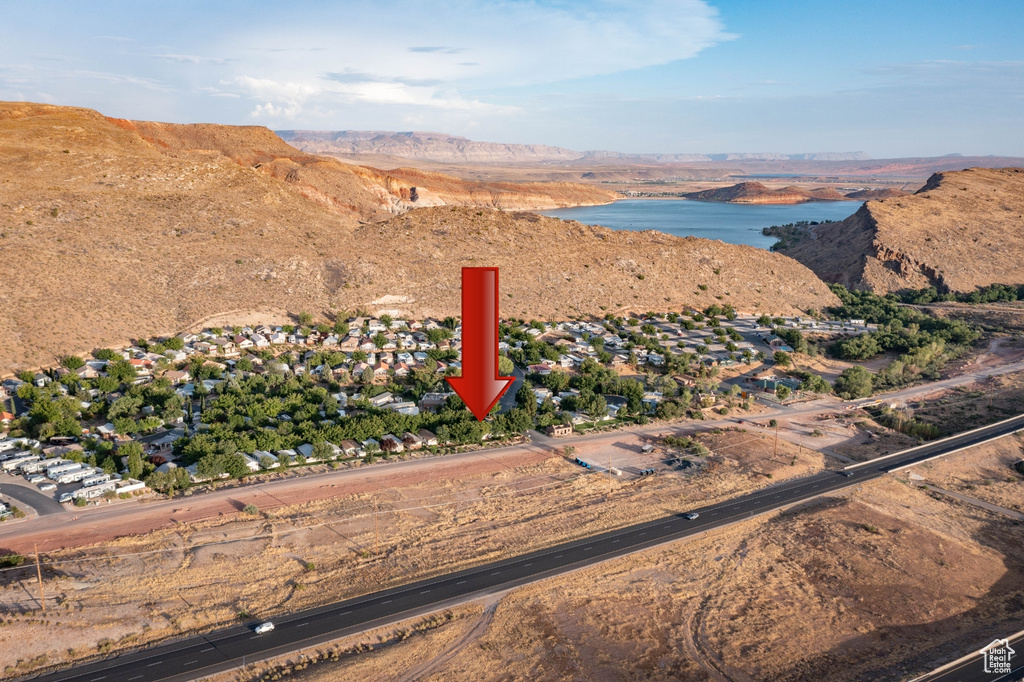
(270, 110)
(421, 60)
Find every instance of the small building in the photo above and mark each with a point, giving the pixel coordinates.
(558, 430)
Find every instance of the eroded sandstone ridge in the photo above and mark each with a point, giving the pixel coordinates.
(962, 230)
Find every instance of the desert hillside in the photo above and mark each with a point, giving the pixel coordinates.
(962, 230)
(117, 230)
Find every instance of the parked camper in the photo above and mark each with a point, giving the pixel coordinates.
(75, 475)
(95, 490)
(15, 463)
(59, 470)
(40, 465)
(95, 479)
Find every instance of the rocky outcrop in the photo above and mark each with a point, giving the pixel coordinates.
(756, 193)
(961, 231)
(867, 194)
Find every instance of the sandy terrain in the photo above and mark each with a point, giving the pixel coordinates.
(986, 473)
(881, 582)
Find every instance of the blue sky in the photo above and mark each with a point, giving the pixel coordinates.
(889, 78)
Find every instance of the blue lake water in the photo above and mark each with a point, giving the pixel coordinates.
(733, 223)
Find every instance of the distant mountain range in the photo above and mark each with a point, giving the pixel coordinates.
(445, 148)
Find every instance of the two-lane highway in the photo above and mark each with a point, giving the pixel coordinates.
(226, 649)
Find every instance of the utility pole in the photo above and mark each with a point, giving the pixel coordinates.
(39, 572)
(776, 452)
(376, 532)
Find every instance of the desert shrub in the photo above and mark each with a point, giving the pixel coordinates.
(11, 560)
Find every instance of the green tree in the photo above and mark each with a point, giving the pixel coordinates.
(854, 382)
(121, 371)
(133, 451)
(526, 399)
(107, 384)
(782, 358)
(72, 362)
(367, 376)
(305, 319)
(387, 321)
(782, 392)
(323, 451)
(505, 366)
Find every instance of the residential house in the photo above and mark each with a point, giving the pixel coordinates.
(251, 462)
(390, 443)
(433, 401)
(411, 441)
(406, 408)
(177, 377)
(266, 460)
(427, 437)
(175, 355)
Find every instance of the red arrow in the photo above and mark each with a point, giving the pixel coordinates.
(480, 387)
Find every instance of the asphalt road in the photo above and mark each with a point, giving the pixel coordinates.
(971, 668)
(224, 649)
(508, 398)
(43, 504)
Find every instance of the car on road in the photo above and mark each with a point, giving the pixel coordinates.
(690, 516)
(264, 627)
(65, 497)
(48, 486)
(36, 478)
(846, 473)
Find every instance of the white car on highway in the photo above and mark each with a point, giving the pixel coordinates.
(264, 627)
